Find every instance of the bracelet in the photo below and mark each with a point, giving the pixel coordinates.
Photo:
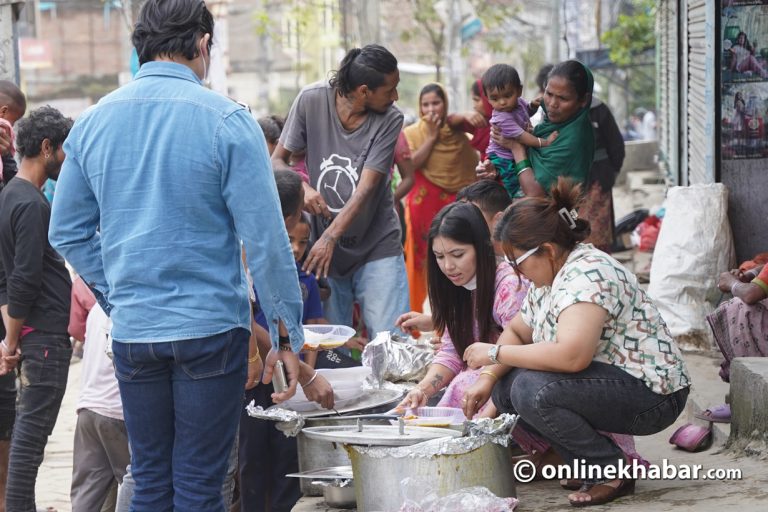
(285, 348)
(523, 170)
(732, 287)
(762, 284)
(539, 139)
(522, 165)
(311, 380)
(254, 359)
(490, 374)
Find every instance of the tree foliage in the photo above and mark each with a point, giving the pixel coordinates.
(633, 34)
(430, 20)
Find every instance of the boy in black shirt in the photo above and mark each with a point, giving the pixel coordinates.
(34, 299)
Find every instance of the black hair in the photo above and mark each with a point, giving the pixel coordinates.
(304, 219)
(42, 123)
(746, 40)
(272, 126)
(435, 88)
(368, 65)
(453, 306)
(15, 98)
(500, 76)
(533, 221)
(289, 186)
(489, 195)
(576, 75)
(542, 75)
(476, 88)
(171, 27)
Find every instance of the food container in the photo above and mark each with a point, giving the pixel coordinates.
(326, 337)
(337, 496)
(441, 417)
(383, 456)
(315, 453)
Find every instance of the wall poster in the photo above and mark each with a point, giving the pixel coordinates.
(744, 79)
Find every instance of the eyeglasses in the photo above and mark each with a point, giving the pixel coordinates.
(519, 261)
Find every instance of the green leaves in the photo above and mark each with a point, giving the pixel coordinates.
(633, 34)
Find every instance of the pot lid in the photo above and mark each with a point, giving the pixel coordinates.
(332, 473)
(377, 435)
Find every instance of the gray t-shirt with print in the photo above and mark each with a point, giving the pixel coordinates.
(335, 159)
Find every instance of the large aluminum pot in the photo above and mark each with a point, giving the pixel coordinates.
(314, 454)
(377, 479)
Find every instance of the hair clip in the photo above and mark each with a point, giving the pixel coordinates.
(569, 216)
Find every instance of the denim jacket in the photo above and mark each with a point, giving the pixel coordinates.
(162, 182)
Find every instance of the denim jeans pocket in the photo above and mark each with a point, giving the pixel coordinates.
(204, 358)
(125, 367)
(657, 418)
(43, 365)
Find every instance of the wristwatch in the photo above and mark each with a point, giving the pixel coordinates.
(493, 353)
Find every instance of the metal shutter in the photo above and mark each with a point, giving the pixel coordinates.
(700, 97)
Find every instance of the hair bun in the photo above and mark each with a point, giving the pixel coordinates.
(582, 230)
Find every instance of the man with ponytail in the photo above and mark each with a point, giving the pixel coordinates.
(348, 127)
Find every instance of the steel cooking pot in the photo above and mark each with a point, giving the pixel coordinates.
(379, 475)
(314, 454)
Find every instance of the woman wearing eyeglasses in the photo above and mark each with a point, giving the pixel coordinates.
(588, 351)
(471, 299)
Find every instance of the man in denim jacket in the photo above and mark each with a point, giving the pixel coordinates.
(163, 181)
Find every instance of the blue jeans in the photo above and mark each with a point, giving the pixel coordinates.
(181, 401)
(43, 373)
(381, 289)
(568, 409)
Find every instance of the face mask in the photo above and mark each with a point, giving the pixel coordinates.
(472, 284)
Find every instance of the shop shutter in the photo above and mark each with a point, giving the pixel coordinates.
(668, 100)
(700, 93)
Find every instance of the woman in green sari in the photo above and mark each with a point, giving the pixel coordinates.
(566, 101)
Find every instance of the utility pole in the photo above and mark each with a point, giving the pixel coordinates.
(9, 39)
(554, 55)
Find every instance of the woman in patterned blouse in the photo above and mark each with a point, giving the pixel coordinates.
(588, 351)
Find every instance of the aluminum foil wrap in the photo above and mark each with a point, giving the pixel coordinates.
(393, 358)
(480, 432)
(289, 422)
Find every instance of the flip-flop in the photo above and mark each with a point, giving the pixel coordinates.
(717, 414)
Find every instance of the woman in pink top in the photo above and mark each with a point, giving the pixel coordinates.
(471, 300)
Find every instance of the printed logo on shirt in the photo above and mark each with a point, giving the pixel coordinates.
(337, 181)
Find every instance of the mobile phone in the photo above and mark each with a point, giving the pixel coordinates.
(278, 378)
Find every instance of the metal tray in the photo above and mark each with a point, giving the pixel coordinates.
(377, 435)
(332, 473)
(371, 400)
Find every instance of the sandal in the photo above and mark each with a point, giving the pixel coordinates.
(571, 484)
(604, 493)
(717, 414)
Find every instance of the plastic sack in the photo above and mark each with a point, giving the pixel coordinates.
(393, 359)
(695, 245)
(419, 498)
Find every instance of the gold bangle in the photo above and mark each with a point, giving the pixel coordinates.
(255, 358)
(490, 374)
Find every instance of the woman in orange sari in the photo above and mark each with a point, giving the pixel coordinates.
(445, 163)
